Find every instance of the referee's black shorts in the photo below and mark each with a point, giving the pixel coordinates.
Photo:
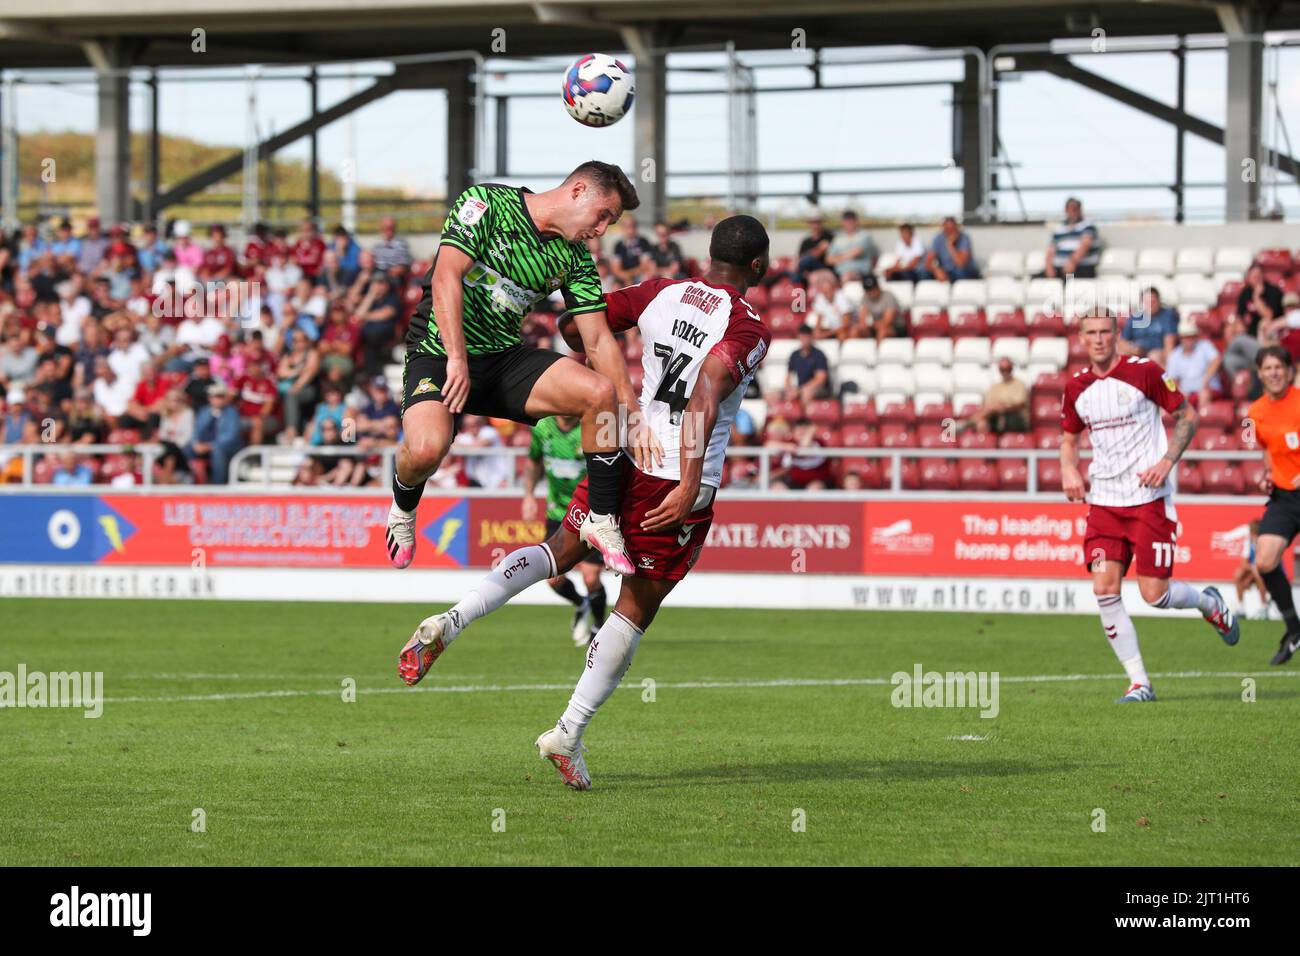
(499, 382)
(1281, 514)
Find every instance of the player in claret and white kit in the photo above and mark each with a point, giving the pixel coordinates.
(703, 343)
(1131, 510)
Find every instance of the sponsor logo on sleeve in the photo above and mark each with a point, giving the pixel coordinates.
(756, 354)
(470, 211)
(1170, 383)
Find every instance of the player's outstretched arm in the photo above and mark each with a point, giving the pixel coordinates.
(1185, 422)
(701, 414)
(607, 358)
(449, 314)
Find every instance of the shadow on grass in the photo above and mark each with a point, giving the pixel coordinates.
(837, 770)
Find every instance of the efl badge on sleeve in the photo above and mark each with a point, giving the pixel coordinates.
(1293, 440)
(1170, 383)
(470, 211)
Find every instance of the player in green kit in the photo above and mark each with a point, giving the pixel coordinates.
(556, 450)
(503, 250)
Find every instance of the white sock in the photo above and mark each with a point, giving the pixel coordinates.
(1123, 637)
(1184, 595)
(517, 571)
(608, 659)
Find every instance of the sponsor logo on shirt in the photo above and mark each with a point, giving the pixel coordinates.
(470, 211)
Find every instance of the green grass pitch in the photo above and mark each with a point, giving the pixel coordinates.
(237, 710)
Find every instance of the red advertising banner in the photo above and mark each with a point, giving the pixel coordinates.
(1033, 540)
(898, 536)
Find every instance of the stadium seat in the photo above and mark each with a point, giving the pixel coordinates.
(1046, 324)
(1050, 351)
(969, 377)
(756, 408)
(1194, 260)
(898, 413)
(885, 400)
(1221, 478)
(1049, 474)
(897, 436)
(1013, 474)
(1015, 441)
(966, 404)
(937, 351)
(867, 469)
(1166, 286)
(1252, 473)
(1196, 289)
(828, 436)
(783, 322)
(1188, 478)
(757, 297)
(937, 474)
(929, 323)
(1080, 297)
(1047, 436)
(1035, 262)
(779, 352)
(1045, 410)
(854, 380)
(1015, 348)
(930, 377)
(929, 435)
(1215, 441)
(901, 290)
(976, 475)
(971, 439)
(860, 436)
(1003, 324)
(895, 352)
(859, 413)
(1117, 262)
(823, 412)
(1046, 295)
(968, 292)
(862, 351)
(781, 293)
(831, 349)
(1155, 260)
(935, 413)
(1229, 291)
(771, 377)
(1005, 290)
(1218, 415)
(1051, 383)
(1234, 259)
(895, 378)
(931, 292)
(1275, 260)
(790, 410)
(1208, 323)
(1118, 295)
(968, 324)
(1242, 383)
(1005, 262)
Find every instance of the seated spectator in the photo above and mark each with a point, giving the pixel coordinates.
(340, 341)
(188, 255)
(809, 375)
(1075, 249)
(18, 359)
(93, 246)
(743, 431)
(812, 251)
(72, 471)
(15, 418)
(310, 299)
(853, 250)
(218, 259)
(909, 256)
(152, 387)
(631, 261)
(882, 317)
(1152, 330)
(1194, 365)
(377, 314)
(830, 312)
(337, 469)
(391, 252)
(127, 356)
(801, 468)
(1259, 303)
(343, 249)
(667, 255)
(152, 249)
(175, 432)
(218, 433)
(379, 419)
(111, 392)
(951, 255)
(331, 408)
(308, 250)
(1006, 404)
(86, 424)
(74, 310)
(484, 471)
(257, 396)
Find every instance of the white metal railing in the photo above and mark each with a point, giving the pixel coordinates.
(262, 460)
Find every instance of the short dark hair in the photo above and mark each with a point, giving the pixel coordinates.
(608, 178)
(805, 329)
(1275, 351)
(738, 241)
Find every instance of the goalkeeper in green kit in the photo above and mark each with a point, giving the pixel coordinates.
(556, 451)
(503, 250)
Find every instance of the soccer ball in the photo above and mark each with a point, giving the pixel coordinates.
(598, 90)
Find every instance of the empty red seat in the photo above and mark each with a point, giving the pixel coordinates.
(791, 410)
(755, 295)
(1006, 323)
(1046, 436)
(859, 413)
(1189, 477)
(933, 436)
(124, 436)
(929, 324)
(911, 475)
(1242, 383)
(781, 293)
(1209, 324)
(828, 436)
(1230, 292)
(1045, 323)
(783, 323)
(824, 411)
(1045, 410)
(936, 414)
(868, 469)
(938, 474)
(976, 475)
(1221, 478)
(1218, 415)
(1016, 440)
(970, 438)
(893, 435)
(965, 325)
(1051, 383)
(1049, 474)
(1078, 352)
(1252, 472)
(1275, 260)
(860, 436)
(1214, 441)
(1013, 474)
(899, 413)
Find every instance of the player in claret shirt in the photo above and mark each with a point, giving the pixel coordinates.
(1131, 510)
(703, 344)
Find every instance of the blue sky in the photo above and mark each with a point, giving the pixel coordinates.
(1053, 130)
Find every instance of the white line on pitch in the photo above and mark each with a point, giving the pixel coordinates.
(679, 685)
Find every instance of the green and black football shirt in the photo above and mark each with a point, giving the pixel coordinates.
(561, 455)
(515, 267)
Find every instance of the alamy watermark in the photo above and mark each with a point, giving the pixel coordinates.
(952, 689)
(82, 690)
